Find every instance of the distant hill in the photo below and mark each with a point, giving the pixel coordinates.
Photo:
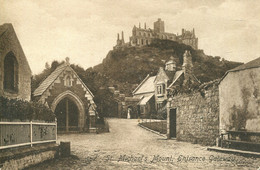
(128, 66)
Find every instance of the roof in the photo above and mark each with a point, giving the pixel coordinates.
(49, 80)
(146, 86)
(176, 77)
(145, 100)
(52, 77)
(251, 64)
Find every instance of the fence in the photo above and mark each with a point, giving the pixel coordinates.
(14, 134)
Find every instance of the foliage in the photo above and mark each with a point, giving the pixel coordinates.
(131, 65)
(125, 68)
(18, 109)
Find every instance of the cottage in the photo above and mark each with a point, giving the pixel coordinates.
(69, 98)
(239, 92)
(153, 91)
(15, 72)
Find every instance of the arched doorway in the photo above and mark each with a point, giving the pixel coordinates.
(67, 114)
(67, 101)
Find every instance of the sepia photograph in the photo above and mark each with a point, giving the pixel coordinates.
(129, 84)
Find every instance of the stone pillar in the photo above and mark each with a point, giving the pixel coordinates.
(67, 115)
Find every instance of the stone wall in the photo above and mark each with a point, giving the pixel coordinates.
(197, 117)
(26, 157)
(9, 43)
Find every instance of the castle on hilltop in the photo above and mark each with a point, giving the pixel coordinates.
(144, 36)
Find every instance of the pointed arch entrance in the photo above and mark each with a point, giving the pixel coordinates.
(69, 110)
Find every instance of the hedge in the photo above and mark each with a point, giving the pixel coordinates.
(12, 109)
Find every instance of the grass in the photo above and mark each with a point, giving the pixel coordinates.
(159, 126)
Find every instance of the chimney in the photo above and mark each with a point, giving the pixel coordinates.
(139, 25)
(182, 31)
(117, 36)
(144, 25)
(187, 62)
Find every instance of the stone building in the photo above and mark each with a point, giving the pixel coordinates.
(144, 36)
(239, 92)
(69, 98)
(153, 90)
(15, 72)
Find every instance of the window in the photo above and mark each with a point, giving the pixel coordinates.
(68, 81)
(161, 89)
(10, 73)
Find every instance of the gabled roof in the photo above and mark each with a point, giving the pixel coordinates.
(146, 86)
(251, 64)
(162, 72)
(52, 77)
(176, 77)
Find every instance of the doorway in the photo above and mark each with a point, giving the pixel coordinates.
(67, 114)
(173, 123)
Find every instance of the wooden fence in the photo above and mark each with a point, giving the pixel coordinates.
(15, 134)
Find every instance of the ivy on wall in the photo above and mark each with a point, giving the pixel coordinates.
(12, 109)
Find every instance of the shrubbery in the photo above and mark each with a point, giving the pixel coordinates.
(12, 109)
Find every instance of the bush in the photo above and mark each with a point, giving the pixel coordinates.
(11, 109)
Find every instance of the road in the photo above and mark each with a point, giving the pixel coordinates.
(128, 146)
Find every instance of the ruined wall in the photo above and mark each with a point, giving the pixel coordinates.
(240, 100)
(197, 116)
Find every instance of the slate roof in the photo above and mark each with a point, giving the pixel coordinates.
(146, 86)
(251, 64)
(52, 77)
(176, 77)
(145, 100)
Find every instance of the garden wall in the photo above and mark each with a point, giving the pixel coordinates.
(197, 117)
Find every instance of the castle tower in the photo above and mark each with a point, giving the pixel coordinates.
(123, 41)
(118, 42)
(159, 26)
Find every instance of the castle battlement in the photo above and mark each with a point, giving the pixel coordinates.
(144, 36)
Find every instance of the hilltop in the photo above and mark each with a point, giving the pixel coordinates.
(126, 67)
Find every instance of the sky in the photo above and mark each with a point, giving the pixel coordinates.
(85, 30)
